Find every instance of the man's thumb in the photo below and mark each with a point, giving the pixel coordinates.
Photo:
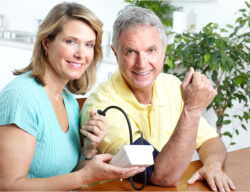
(193, 179)
(188, 77)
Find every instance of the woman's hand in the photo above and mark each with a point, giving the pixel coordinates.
(98, 170)
(95, 129)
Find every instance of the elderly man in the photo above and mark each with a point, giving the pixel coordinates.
(167, 111)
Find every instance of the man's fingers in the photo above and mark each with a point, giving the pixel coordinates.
(219, 183)
(231, 184)
(225, 185)
(195, 177)
(211, 183)
(198, 78)
(188, 77)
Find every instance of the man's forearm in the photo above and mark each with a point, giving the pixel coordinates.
(213, 152)
(176, 155)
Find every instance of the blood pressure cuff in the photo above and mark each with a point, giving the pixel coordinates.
(149, 170)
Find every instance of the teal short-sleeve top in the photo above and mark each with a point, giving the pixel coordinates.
(25, 103)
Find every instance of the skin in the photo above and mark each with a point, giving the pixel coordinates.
(74, 44)
(140, 61)
(140, 57)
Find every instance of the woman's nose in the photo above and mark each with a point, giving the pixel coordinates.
(80, 52)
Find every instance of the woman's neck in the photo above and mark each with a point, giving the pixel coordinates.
(53, 85)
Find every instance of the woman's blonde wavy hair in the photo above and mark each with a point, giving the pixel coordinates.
(50, 27)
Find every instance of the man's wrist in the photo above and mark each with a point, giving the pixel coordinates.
(213, 164)
(192, 113)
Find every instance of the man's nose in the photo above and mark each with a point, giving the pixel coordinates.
(141, 60)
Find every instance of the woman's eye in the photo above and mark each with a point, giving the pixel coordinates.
(91, 45)
(70, 41)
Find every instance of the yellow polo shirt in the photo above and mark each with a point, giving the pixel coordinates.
(157, 120)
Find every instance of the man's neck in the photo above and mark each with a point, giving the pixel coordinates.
(144, 96)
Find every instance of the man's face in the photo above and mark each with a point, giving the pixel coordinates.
(140, 57)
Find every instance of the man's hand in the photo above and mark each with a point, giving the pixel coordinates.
(215, 177)
(197, 91)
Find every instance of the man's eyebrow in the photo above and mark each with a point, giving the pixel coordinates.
(152, 46)
(128, 48)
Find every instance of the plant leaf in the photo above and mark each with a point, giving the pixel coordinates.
(228, 134)
(226, 122)
(170, 63)
(244, 127)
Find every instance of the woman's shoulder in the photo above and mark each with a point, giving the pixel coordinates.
(22, 82)
(23, 89)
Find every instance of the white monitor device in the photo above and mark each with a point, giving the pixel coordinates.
(141, 155)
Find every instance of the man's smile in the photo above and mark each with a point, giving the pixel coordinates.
(143, 73)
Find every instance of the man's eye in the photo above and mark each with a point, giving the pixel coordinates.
(151, 50)
(130, 52)
(70, 41)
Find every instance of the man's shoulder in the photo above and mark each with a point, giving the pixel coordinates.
(99, 97)
(168, 76)
(168, 79)
(101, 93)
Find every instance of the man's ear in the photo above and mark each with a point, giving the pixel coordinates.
(116, 55)
(45, 44)
(165, 48)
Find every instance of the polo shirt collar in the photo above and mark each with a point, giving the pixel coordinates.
(122, 89)
(159, 95)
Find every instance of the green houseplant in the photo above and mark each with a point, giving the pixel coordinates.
(223, 54)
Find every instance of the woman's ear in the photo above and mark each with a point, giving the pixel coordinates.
(45, 44)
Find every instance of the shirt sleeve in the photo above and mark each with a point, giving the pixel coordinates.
(205, 132)
(118, 131)
(21, 108)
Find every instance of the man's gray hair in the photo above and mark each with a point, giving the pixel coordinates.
(136, 16)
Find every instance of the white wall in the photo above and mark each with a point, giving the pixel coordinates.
(206, 11)
(23, 14)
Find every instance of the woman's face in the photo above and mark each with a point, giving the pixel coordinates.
(71, 52)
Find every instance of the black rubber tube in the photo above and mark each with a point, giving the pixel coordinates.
(131, 141)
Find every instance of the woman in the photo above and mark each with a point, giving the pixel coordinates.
(39, 140)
